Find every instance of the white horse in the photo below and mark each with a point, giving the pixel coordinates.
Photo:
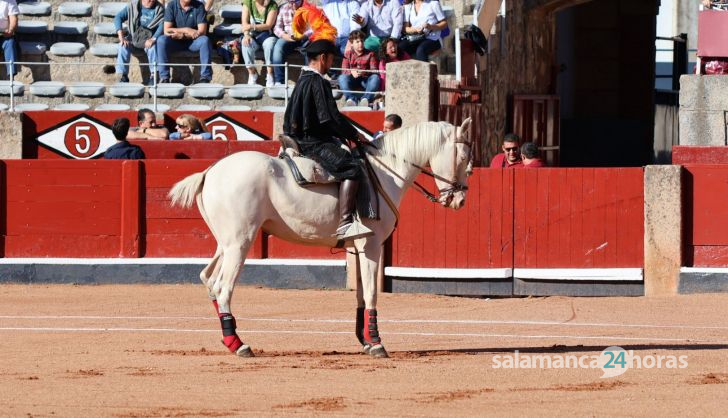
(247, 191)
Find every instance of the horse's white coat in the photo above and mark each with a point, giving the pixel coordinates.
(247, 191)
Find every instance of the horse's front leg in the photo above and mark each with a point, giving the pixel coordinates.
(366, 315)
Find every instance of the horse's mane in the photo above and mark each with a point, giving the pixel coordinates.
(415, 143)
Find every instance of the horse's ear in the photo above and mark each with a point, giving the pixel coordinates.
(463, 129)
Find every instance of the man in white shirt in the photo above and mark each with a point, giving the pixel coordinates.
(341, 15)
(383, 18)
(8, 24)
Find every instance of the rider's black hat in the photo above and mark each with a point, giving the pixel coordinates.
(321, 46)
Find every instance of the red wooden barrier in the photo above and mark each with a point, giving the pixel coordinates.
(706, 209)
(62, 208)
(699, 155)
(579, 218)
(547, 218)
(477, 236)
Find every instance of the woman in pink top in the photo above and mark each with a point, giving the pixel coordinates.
(389, 52)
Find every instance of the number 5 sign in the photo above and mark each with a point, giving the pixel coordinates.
(223, 128)
(80, 138)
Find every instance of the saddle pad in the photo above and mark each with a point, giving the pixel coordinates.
(307, 172)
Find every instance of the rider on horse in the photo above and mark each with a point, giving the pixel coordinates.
(315, 123)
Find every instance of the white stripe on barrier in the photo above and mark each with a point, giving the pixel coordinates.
(704, 270)
(419, 334)
(588, 274)
(449, 273)
(175, 261)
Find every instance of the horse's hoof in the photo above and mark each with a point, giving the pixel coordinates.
(244, 351)
(378, 351)
(365, 348)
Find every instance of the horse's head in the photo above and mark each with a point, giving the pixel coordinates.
(452, 166)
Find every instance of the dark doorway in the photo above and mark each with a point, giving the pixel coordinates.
(605, 80)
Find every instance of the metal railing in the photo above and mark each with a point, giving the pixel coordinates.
(155, 85)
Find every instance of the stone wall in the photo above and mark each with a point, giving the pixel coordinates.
(703, 110)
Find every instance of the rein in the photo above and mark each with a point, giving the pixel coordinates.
(455, 186)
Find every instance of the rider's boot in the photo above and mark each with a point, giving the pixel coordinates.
(349, 229)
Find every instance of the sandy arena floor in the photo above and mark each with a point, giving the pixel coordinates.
(154, 351)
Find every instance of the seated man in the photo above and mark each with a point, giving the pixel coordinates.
(287, 40)
(8, 24)
(122, 150)
(511, 155)
(148, 128)
(185, 28)
(341, 14)
(352, 77)
(314, 122)
(145, 20)
(384, 20)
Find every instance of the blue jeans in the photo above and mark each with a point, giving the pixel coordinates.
(124, 56)
(9, 53)
(167, 45)
(281, 50)
(370, 83)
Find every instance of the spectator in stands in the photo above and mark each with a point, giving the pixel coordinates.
(148, 128)
(715, 4)
(529, 155)
(353, 76)
(391, 122)
(145, 27)
(423, 21)
(511, 156)
(185, 28)
(389, 52)
(287, 41)
(382, 18)
(8, 24)
(122, 150)
(341, 14)
(258, 17)
(189, 127)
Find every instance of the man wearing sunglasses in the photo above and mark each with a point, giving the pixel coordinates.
(511, 156)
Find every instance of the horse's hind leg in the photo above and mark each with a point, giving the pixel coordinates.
(209, 274)
(233, 256)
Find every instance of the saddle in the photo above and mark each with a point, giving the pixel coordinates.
(308, 172)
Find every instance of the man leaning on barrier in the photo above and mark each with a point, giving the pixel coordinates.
(185, 28)
(145, 27)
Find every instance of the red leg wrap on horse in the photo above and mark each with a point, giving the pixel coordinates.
(217, 308)
(229, 336)
(371, 332)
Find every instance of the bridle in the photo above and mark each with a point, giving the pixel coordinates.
(446, 194)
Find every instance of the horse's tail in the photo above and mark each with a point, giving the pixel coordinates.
(183, 193)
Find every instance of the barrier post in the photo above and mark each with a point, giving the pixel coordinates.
(131, 189)
(663, 239)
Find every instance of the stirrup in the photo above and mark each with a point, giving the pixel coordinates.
(352, 231)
